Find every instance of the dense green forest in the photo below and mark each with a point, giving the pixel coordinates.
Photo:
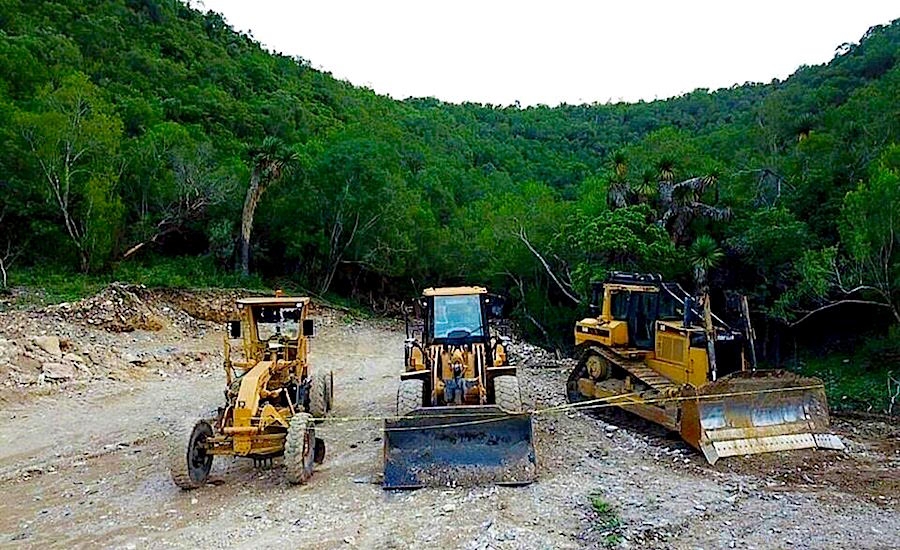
(143, 134)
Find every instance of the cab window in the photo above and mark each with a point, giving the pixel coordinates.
(619, 305)
(457, 316)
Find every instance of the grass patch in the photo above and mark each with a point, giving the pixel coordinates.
(43, 285)
(858, 379)
(608, 520)
(184, 272)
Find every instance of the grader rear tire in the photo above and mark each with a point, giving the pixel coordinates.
(300, 449)
(189, 463)
(318, 395)
(409, 396)
(506, 393)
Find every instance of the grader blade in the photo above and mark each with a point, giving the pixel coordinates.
(757, 412)
(458, 446)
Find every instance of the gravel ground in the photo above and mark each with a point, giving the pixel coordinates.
(81, 464)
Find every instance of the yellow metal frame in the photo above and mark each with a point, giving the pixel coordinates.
(248, 428)
(672, 356)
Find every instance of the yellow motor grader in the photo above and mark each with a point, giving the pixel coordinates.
(460, 419)
(271, 397)
(651, 349)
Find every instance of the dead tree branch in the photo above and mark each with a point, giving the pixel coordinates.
(566, 288)
(893, 385)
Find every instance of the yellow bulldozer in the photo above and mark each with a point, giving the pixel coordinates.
(651, 349)
(271, 397)
(460, 419)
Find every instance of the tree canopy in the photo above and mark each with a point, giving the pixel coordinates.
(134, 130)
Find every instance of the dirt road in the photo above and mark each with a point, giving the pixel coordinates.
(85, 466)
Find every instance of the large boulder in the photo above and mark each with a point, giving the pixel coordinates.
(28, 364)
(58, 371)
(49, 344)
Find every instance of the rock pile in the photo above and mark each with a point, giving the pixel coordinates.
(117, 308)
(40, 359)
(216, 306)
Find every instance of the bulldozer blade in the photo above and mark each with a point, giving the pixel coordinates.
(458, 446)
(757, 412)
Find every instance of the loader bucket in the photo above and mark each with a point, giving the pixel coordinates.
(757, 412)
(458, 446)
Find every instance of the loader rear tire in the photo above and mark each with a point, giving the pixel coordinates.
(189, 463)
(300, 449)
(506, 393)
(318, 395)
(409, 396)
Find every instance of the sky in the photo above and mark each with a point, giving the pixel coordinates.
(551, 52)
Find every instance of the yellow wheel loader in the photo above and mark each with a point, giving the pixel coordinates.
(460, 419)
(271, 397)
(651, 349)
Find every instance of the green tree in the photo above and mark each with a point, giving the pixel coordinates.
(74, 140)
(870, 230)
(620, 239)
(869, 272)
(174, 179)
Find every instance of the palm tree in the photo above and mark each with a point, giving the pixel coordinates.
(620, 165)
(270, 161)
(648, 188)
(705, 254)
(680, 203)
(804, 127)
(618, 187)
(666, 167)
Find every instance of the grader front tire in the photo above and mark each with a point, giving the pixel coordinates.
(189, 463)
(300, 449)
(506, 393)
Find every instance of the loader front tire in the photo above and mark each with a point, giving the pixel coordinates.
(300, 449)
(189, 461)
(506, 393)
(409, 396)
(318, 395)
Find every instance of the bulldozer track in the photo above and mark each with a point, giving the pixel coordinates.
(638, 370)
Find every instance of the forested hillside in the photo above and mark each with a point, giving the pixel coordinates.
(137, 133)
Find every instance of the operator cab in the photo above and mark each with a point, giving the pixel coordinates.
(458, 315)
(273, 325)
(640, 301)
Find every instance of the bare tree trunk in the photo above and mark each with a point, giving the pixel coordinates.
(254, 192)
(564, 286)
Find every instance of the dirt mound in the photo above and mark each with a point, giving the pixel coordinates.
(116, 308)
(213, 305)
(126, 308)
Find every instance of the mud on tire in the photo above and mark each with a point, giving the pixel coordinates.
(409, 396)
(189, 463)
(506, 393)
(299, 449)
